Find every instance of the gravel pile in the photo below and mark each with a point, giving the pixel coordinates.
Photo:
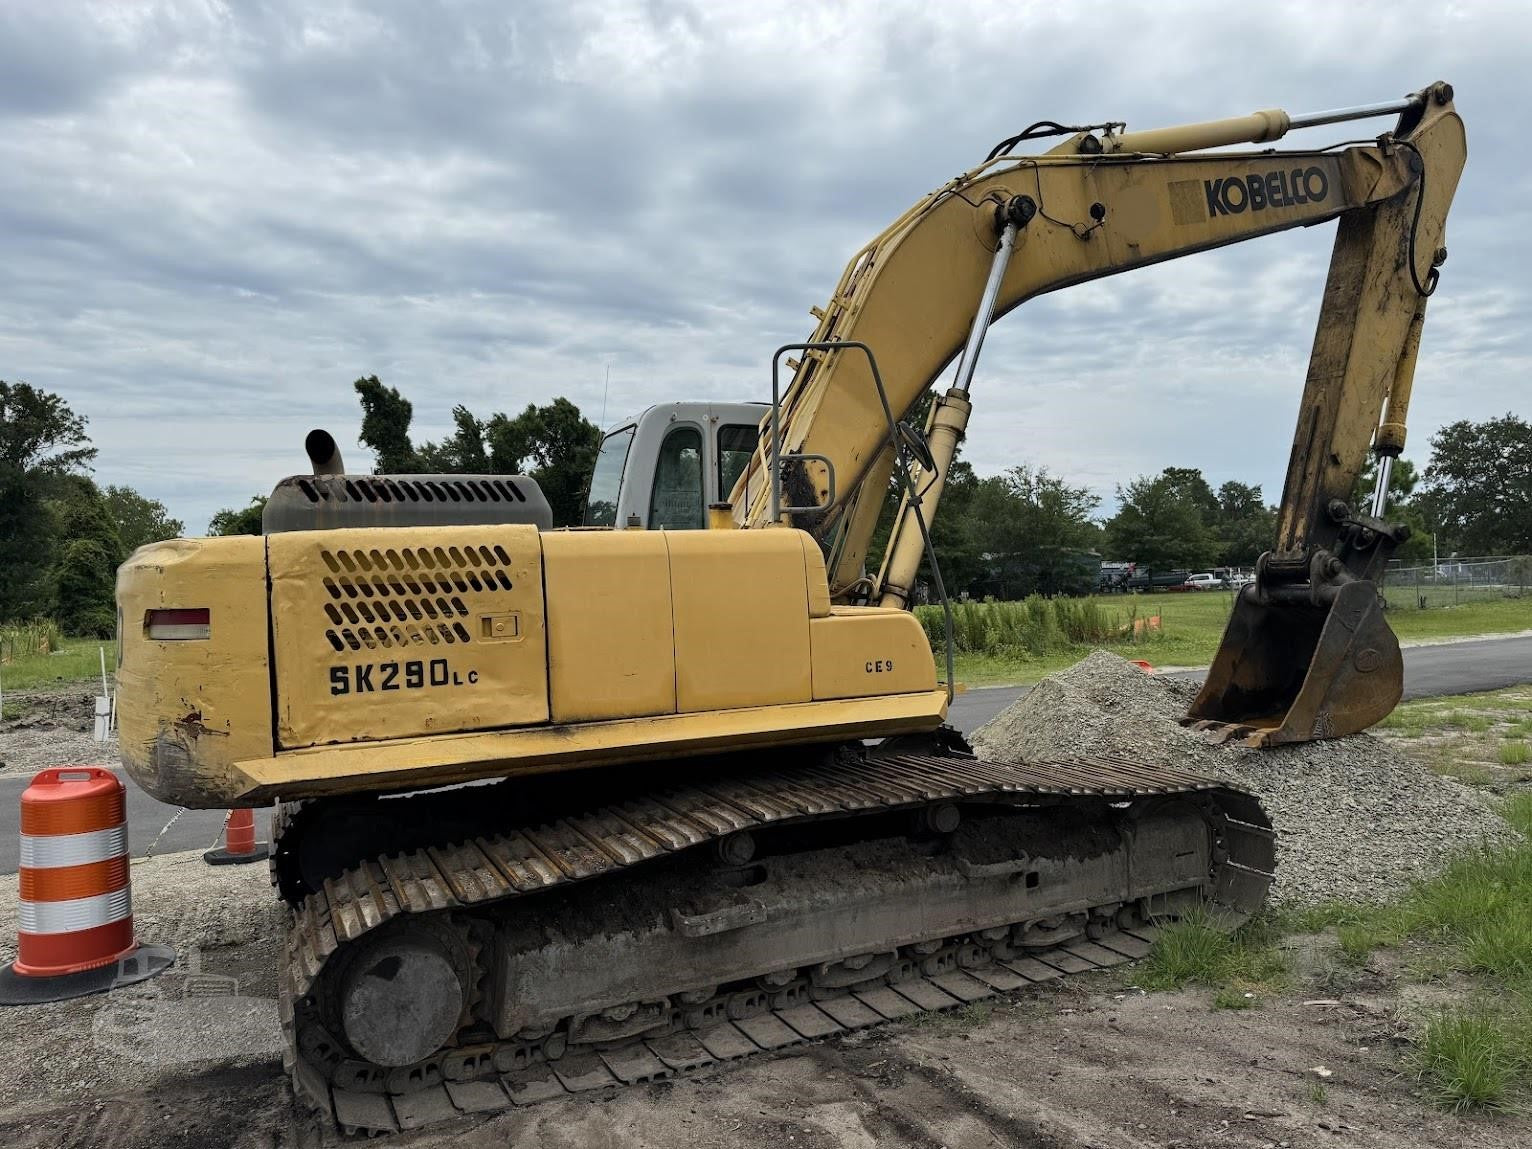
(1356, 819)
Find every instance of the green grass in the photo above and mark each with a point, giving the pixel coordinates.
(1232, 997)
(78, 660)
(994, 646)
(1481, 906)
(1195, 951)
(1469, 1057)
(1478, 723)
(1475, 918)
(1482, 739)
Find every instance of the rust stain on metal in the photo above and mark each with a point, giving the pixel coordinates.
(192, 724)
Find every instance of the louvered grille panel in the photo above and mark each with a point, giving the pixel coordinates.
(385, 598)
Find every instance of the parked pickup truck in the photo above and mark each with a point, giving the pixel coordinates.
(1203, 581)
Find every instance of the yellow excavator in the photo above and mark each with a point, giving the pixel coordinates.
(558, 809)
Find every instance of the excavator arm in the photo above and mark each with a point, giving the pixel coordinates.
(922, 294)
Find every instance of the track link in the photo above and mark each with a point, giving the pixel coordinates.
(451, 883)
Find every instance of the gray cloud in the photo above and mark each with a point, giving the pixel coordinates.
(216, 215)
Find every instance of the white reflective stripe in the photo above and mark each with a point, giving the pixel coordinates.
(47, 851)
(178, 631)
(75, 914)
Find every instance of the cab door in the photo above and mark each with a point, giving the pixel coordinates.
(677, 501)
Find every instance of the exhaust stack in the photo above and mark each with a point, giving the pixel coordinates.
(323, 452)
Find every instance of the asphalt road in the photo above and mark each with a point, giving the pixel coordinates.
(1452, 668)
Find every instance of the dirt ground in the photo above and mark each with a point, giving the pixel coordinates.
(52, 727)
(192, 1059)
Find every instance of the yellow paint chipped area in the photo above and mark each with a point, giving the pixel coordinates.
(188, 710)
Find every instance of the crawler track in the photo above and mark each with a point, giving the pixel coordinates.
(471, 894)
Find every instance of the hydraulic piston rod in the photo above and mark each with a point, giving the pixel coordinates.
(1380, 491)
(1256, 128)
(948, 421)
(986, 312)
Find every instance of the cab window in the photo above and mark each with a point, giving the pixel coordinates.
(677, 499)
(736, 443)
(606, 479)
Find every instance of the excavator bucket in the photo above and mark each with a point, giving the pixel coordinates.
(1292, 669)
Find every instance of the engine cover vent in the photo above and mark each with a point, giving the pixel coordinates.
(330, 502)
(407, 596)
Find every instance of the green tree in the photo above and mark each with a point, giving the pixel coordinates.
(555, 444)
(84, 579)
(959, 547)
(1036, 527)
(1478, 485)
(1246, 527)
(560, 447)
(385, 430)
(84, 571)
(140, 519)
(241, 521)
(41, 442)
(1188, 483)
(1160, 523)
(463, 453)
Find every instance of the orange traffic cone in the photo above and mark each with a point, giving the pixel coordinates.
(76, 915)
(239, 844)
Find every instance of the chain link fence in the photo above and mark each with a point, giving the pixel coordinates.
(1454, 581)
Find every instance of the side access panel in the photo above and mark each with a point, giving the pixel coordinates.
(742, 602)
(396, 633)
(863, 651)
(611, 640)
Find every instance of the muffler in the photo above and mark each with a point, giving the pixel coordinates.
(1302, 661)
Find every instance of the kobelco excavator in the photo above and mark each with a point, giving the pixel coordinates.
(559, 809)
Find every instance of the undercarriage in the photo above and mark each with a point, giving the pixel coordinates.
(509, 944)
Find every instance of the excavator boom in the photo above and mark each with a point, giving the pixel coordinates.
(1098, 204)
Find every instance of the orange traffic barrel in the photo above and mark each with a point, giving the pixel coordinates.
(239, 844)
(75, 913)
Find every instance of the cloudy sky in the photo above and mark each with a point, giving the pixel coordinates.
(214, 216)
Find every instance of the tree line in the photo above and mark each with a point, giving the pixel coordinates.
(1024, 531)
(62, 536)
